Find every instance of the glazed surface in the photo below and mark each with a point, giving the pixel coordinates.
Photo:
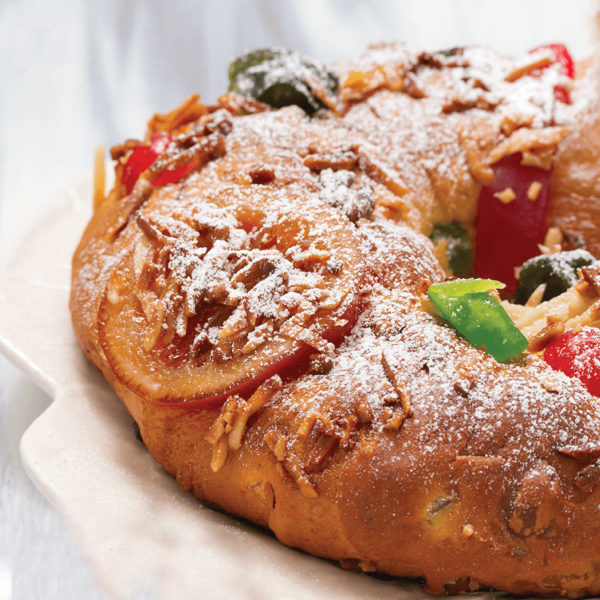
(364, 429)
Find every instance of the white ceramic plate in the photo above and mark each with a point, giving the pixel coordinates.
(142, 534)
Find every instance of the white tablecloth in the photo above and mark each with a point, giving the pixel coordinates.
(76, 74)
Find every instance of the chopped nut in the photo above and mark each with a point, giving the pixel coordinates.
(306, 425)
(552, 241)
(363, 409)
(512, 122)
(355, 564)
(462, 387)
(495, 294)
(367, 566)
(352, 424)
(534, 190)
(583, 287)
(392, 377)
(458, 104)
(236, 322)
(236, 104)
(261, 174)
(538, 506)
(358, 84)
(591, 274)
(506, 196)
(394, 422)
(478, 166)
(334, 266)
(551, 385)
(541, 158)
(528, 140)
(217, 435)
(117, 152)
(411, 87)
(258, 337)
(320, 364)
(336, 159)
(154, 329)
(203, 149)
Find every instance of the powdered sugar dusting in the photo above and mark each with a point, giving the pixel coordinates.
(330, 248)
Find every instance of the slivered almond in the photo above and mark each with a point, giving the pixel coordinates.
(553, 330)
(306, 335)
(249, 407)
(537, 295)
(524, 69)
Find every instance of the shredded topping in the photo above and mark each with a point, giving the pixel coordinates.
(416, 138)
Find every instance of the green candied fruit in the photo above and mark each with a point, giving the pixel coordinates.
(458, 246)
(558, 271)
(280, 77)
(478, 316)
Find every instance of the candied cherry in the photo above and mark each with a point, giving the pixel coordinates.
(563, 58)
(143, 157)
(577, 354)
(174, 175)
(140, 159)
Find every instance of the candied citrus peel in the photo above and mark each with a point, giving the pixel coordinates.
(478, 316)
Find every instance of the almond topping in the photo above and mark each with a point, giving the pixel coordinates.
(553, 330)
(537, 295)
(246, 408)
(394, 422)
(506, 196)
(524, 69)
(534, 190)
(392, 376)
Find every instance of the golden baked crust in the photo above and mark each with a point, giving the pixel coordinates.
(402, 448)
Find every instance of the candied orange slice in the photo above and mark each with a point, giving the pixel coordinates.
(224, 289)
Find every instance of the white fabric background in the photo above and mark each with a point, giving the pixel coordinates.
(74, 74)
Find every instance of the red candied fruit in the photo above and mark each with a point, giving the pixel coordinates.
(140, 159)
(174, 175)
(563, 58)
(509, 233)
(577, 354)
(143, 157)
